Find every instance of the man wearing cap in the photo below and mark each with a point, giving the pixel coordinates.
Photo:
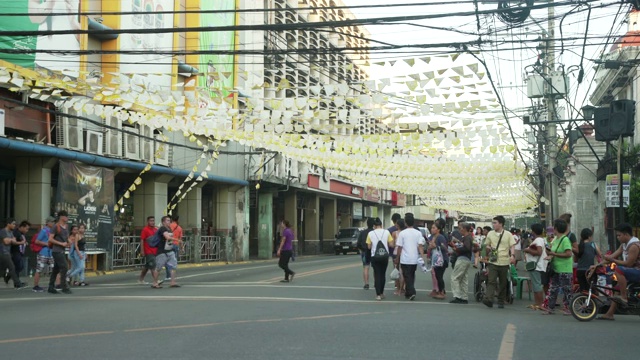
(44, 259)
(59, 241)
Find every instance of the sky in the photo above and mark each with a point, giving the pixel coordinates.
(509, 64)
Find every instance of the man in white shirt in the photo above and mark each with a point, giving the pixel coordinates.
(410, 246)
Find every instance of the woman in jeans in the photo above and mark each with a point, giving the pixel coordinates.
(587, 253)
(379, 265)
(561, 256)
(438, 240)
(73, 238)
(78, 255)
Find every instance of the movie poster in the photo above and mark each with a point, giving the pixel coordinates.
(87, 194)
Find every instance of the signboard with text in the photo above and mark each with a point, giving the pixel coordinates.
(612, 190)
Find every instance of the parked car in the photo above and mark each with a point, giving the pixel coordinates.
(347, 240)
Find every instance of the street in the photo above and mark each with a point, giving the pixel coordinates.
(242, 311)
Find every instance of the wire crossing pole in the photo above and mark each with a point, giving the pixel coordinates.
(551, 114)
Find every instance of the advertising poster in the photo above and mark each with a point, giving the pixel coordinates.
(147, 44)
(87, 194)
(217, 40)
(613, 193)
(41, 20)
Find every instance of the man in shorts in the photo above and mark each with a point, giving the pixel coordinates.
(44, 260)
(166, 256)
(365, 253)
(147, 252)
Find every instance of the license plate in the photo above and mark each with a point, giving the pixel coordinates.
(345, 247)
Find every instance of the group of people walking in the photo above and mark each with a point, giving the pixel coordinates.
(50, 245)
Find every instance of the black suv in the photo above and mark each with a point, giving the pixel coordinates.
(347, 240)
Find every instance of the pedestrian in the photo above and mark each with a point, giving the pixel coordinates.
(73, 258)
(43, 256)
(478, 241)
(393, 230)
(410, 246)
(588, 252)
(59, 241)
(518, 248)
(148, 253)
(377, 240)
(500, 249)
(80, 256)
(439, 243)
(536, 254)
(17, 249)
(460, 276)
(561, 258)
(400, 287)
(285, 251)
(6, 263)
(165, 256)
(176, 229)
(365, 254)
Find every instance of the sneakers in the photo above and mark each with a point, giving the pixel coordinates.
(412, 297)
(52, 290)
(366, 286)
(167, 279)
(37, 289)
(291, 277)
(284, 281)
(21, 285)
(378, 298)
(458, 301)
(66, 291)
(82, 283)
(487, 303)
(58, 287)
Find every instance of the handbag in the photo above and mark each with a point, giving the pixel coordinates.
(437, 260)
(532, 265)
(550, 271)
(493, 257)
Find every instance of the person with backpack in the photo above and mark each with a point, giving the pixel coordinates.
(588, 251)
(39, 246)
(163, 240)
(365, 254)
(378, 242)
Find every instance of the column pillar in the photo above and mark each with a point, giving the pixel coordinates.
(330, 223)
(33, 189)
(190, 210)
(151, 199)
(265, 226)
(312, 225)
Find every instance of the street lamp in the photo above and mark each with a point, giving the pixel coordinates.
(588, 112)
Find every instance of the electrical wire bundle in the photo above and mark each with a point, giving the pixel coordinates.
(514, 13)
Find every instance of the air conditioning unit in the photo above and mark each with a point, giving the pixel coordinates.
(131, 143)
(161, 156)
(93, 142)
(69, 133)
(146, 144)
(113, 136)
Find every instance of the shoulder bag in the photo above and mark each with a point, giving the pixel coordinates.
(493, 257)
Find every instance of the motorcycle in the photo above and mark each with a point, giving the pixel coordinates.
(586, 306)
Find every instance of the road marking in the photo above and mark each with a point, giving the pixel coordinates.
(237, 322)
(50, 337)
(508, 343)
(314, 272)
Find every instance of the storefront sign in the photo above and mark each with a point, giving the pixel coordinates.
(612, 191)
(87, 194)
(372, 194)
(355, 191)
(357, 211)
(402, 200)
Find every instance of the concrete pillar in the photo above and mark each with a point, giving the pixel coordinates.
(291, 208)
(242, 223)
(330, 221)
(190, 210)
(265, 225)
(230, 208)
(312, 218)
(151, 198)
(33, 189)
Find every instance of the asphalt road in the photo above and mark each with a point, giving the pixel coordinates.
(243, 312)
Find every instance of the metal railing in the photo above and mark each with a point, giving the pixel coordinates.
(211, 248)
(126, 250)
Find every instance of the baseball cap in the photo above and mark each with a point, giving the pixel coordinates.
(50, 219)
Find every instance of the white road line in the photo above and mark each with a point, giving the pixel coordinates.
(508, 343)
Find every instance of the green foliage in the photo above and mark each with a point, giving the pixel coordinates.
(633, 211)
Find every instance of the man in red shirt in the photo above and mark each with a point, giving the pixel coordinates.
(149, 253)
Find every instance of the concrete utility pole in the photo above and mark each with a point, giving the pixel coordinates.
(551, 114)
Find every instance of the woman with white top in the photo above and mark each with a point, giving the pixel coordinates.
(536, 252)
(379, 263)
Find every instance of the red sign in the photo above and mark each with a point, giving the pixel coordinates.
(346, 189)
(402, 200)
(372, 194)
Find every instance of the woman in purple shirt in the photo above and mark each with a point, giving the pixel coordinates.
(285, 251)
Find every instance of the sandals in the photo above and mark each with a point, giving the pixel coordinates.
(156, 287)
(534, 307)
(174, 286)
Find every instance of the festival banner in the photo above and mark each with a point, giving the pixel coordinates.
(218, 72)
(13, 17)
(87, 194)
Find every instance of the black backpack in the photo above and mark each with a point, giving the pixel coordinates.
(362, 240)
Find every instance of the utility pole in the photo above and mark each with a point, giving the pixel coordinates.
(551, 113)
